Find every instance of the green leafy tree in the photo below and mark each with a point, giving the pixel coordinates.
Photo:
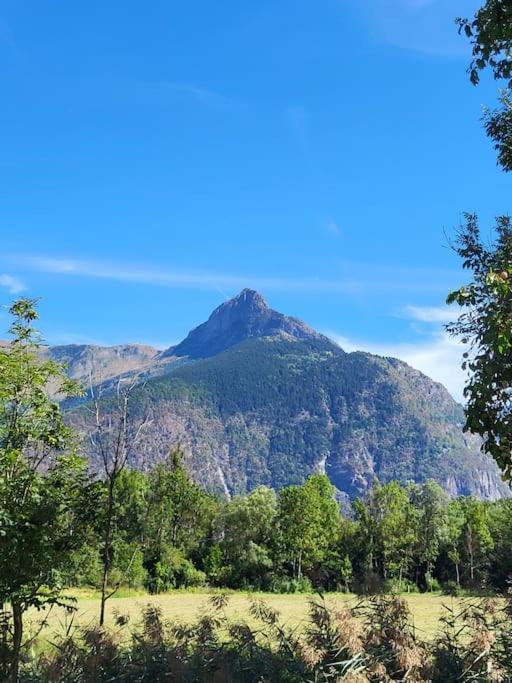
(346, 572)
(388, 527)
(132, 490)
(128, 564)
(179, 516)
(432, 504)
(476, 540)
(307, 523)
(43, 485)
(490, 33)
(454, 525)
(248, 525)
(485, 326)
(500, 527)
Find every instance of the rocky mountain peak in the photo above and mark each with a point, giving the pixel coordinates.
(242, 317)
(248, 298)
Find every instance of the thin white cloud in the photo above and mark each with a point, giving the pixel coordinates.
(438, 357)
(12, 284)
(355, 283)
(198, 280)
(426, 26)
(430, 314)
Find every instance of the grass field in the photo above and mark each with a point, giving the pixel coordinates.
(185, 606)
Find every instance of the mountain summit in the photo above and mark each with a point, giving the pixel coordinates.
(257, 398)
(245, 316)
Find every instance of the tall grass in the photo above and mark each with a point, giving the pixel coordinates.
(373, 640)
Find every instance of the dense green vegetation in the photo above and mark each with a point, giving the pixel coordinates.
(170, 533)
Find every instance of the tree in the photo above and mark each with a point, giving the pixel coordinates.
(455, 523)
(179, 516)
(248, 524)
(476, 539)
(490, 33)
(308, 524)
(44, 492)
(485, 326)
(388, 526)
(432, 503)
(114, 437)
(500, 527)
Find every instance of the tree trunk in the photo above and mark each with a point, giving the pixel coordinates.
(17, 619)
(299, 565)
(457, 573)
(106, 553)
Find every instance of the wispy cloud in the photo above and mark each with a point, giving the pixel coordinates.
(385, 276)
(438, 356)
(12, 284)
(425, 26)
(353, 281)
(430, 314)
(179, 279)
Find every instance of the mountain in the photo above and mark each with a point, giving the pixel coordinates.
(256, 397)
(244, 317)
(90, 363)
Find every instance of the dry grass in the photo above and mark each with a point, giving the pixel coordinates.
(185, 606)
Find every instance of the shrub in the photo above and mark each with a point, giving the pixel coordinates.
(452, 588)
(174, 570)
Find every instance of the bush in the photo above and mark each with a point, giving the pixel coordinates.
(433, 584)
(369, 584)
(452, 588)
(85, 567)
(174, 570)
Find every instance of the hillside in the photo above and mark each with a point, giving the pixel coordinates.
(256, 397)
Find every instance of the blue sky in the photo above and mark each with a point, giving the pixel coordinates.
(157, 157)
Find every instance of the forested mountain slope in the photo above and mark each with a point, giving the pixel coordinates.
(255, 397)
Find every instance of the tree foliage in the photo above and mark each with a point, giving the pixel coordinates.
(490, 33)
(44, 491)
(485, 326)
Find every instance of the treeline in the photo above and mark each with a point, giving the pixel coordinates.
(61, 525)
(167, 532)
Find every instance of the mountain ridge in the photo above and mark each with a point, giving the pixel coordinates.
(244, 316)
(256, 397)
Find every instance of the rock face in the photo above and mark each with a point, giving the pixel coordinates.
(256, 397)
(244, 317)
(87, 363)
